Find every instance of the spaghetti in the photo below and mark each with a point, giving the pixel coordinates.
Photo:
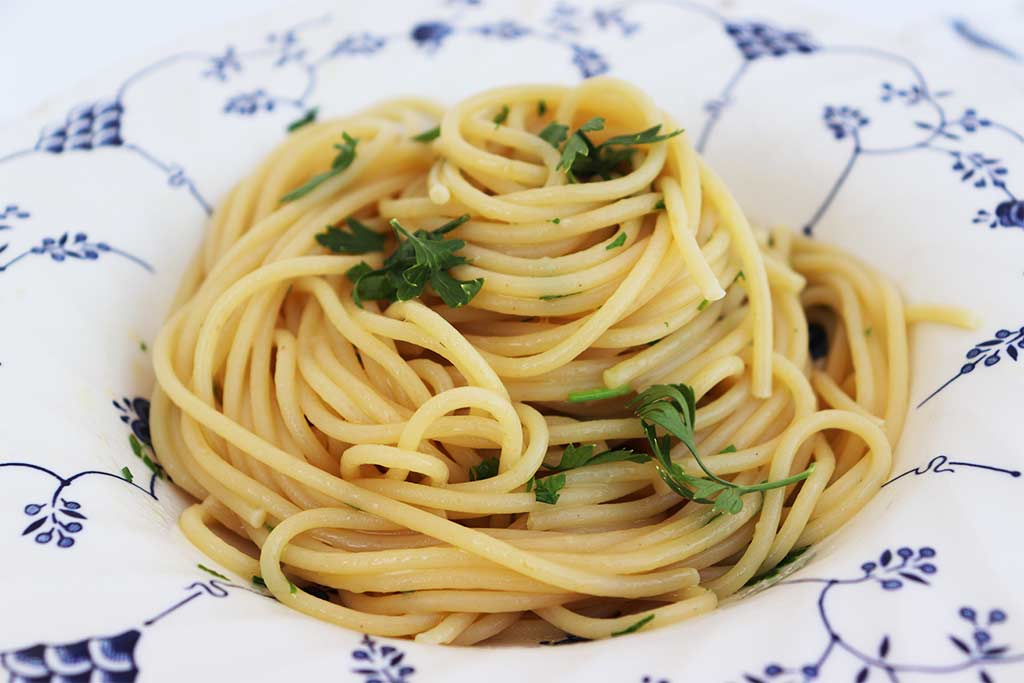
(398, 454)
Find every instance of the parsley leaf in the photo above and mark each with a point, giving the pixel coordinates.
(633, 628)
(659, 205)
(580, 157)
(599, 394)
(361, 239)
(617, 242)
(346, 155)
(554, 134)
(578, 145)
(258, 581)
(703, 304)
(485, 470)
(127, 474)
(542, 107)
(673, 407)
(546, 490)
(211, 571)
(422, 257)
(428, 135)
(307, 118)
(501, 116)
(728, 449)
(552, 297)
(581, 456)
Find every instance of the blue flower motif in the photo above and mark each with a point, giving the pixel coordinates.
(505, 30)
(71, 246)
(63, 519)
(247, 104)
(588, 61)
(756, 40)
(12, 212)
(381, 663)
(431, 34)
(358, 44)
(843, 121)
(135, 414)
(110, 658)
(220, 66)
(289, 48)
(96, 124)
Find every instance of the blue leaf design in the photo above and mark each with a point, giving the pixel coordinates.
(1012, 352)
(862, 675)
(33, 526)
(883, 647)
(960, 645)
(885, 558)
(72, 513)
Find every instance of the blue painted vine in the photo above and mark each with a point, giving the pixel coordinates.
(942, 464)
(1005, 343)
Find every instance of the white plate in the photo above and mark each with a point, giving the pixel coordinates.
(909, 161)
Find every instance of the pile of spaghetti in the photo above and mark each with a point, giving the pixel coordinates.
(514, 370)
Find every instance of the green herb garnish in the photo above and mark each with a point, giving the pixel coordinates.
(554, 134)
(789, 559)
(867, 332)
(598, 394)
(307, 118)
(211, 571)
(292, 588)
(703, 304)
(485, 470)
(422, 257)
(617, 242)
(501, 116)
(659, 205)
(728, 449)
(360, 239)
(346, 155)
(673, 407)
(428, 135)
(542, 108)
(143, 347)
(127, 474)
(258, 581)
(739, 276)
(552, 297)
(140, 452)
(581, 158)
(633, 628)
(556, 221)
(546, 490)
(581, 456)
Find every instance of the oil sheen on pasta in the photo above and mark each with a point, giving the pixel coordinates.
(330, 446)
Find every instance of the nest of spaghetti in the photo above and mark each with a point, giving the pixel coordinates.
(514, 370)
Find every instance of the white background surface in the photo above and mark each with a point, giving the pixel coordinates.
(48, 46)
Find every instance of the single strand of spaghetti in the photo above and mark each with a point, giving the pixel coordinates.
(756, 278)
(477, 601)
(589, 627)
(285, 592)
(450, 628)
(898, 354)
(287, 396)
(943, 315)
(685, 240)
(802, 508)
(591, 515)
(833, 395)
(391, 457)
(486, 626)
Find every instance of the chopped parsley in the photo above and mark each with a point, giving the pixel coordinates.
(307, 118)
(673, 407)
(554, 134)
(127, 474)
(552, 297)
(501, 116)
(268, 526)
(423, 257)
(659, 205)
(703, 304)
(598, 394)
(359, 240)
(581, 456)
(542, 107)
(582, 158)
(728, 449)
(556, 221)
(867, 332)
(546, 490)
(142, 346)
(211, 571)
(485, 470)
(791, 557)
(258, 581)
(346, 155)
(617, 242)
(633, 628)
(428, 135)
(739, 276)
(292, 588)
(140, 452)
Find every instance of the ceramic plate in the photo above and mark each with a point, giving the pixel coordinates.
(907, 152)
